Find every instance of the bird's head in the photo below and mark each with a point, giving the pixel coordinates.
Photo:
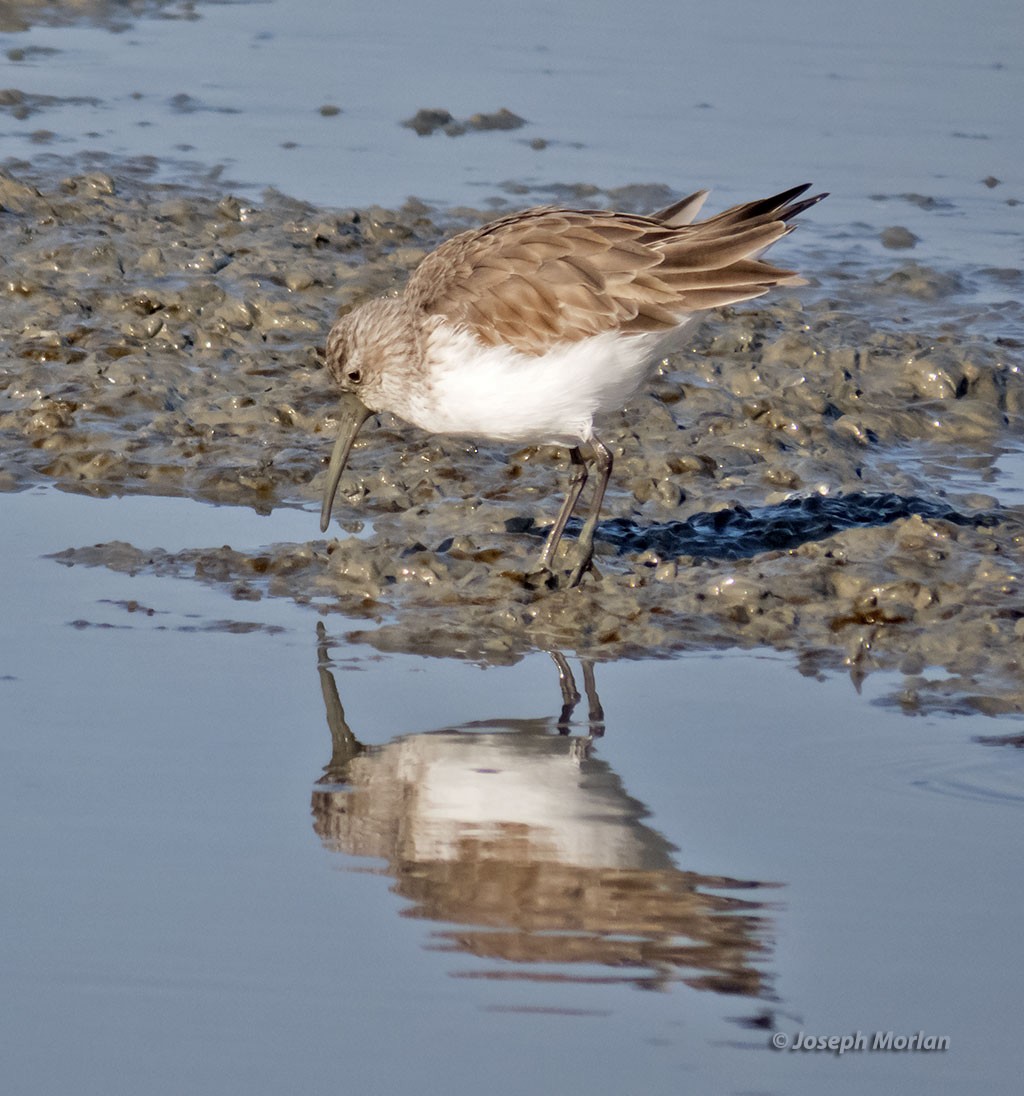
(370, 354)
(372, 351)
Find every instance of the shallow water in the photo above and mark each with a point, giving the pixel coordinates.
(786, 854)
(251, 840)
(878, 103)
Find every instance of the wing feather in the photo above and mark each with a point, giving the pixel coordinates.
(550, 275)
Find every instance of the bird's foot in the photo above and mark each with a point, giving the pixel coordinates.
(580, 568)
(543, 578)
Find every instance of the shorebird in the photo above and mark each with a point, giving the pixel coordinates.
(524, 330)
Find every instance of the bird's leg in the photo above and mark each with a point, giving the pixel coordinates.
(603, 461)
(577, 478)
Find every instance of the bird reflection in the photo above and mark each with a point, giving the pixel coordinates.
(527, 849)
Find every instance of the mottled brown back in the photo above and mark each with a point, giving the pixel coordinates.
(552, 275)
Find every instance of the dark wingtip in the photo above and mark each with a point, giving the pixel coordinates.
(790, 209)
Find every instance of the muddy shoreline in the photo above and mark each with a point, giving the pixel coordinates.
(20, 15)
(165, 340)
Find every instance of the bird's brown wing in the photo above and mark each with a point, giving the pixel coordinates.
(553, 275)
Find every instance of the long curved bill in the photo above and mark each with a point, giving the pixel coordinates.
(353, 414)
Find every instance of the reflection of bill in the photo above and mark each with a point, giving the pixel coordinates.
(520, 834)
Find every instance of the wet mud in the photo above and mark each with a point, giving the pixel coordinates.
(427, 121)
(114, 15)
(817, 472)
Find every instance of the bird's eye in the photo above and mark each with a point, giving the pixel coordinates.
(353, 376)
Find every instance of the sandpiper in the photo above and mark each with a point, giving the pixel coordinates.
(526, 329)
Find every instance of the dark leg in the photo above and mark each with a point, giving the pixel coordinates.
(595, 713)
(577, 478)
(570, 694)
(603, 461)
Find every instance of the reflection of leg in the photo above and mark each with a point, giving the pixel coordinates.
(595, 713)
(570, 694)
(344, 744)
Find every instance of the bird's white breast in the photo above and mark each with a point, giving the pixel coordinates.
(500, 393)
